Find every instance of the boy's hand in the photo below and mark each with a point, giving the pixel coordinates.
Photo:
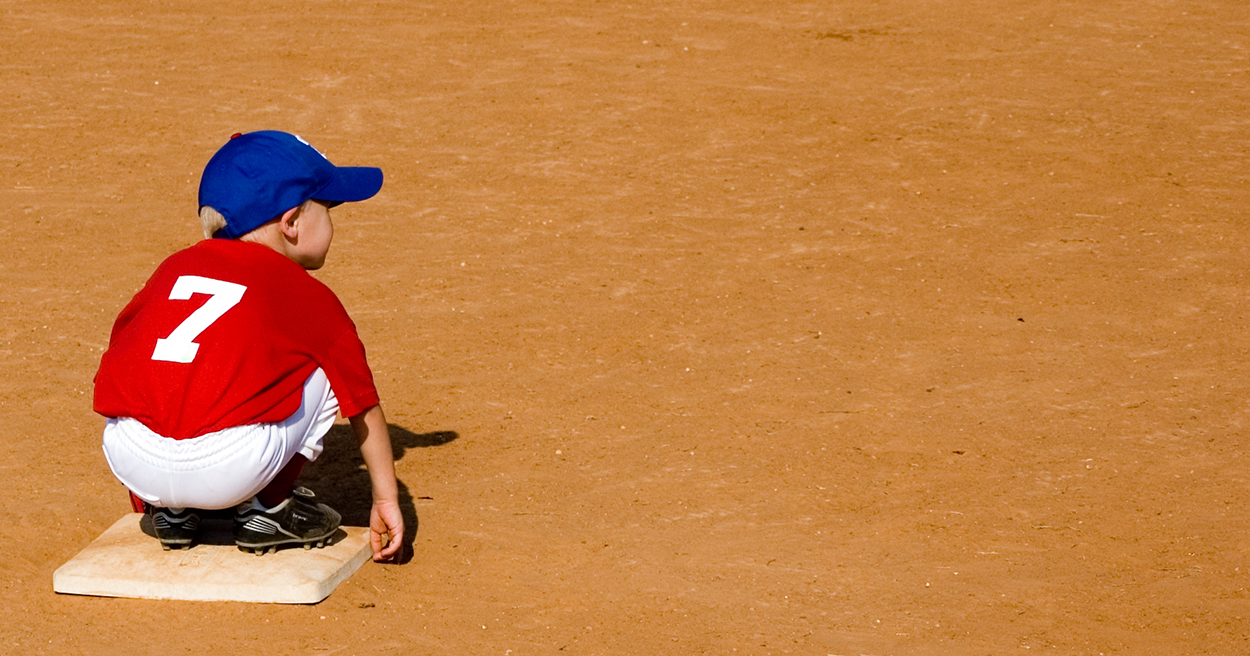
(386, 531)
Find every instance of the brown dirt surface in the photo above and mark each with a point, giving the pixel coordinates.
(875, 327)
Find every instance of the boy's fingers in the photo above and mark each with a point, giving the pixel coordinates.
(384, 548)
(387, 554)
(386, 532)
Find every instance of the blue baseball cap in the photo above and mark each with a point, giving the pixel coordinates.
(257, 176)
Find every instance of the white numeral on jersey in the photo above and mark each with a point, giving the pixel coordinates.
(180, 345)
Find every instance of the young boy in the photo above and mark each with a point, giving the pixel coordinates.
(225, 372)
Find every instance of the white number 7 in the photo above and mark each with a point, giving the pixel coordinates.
(180, 345)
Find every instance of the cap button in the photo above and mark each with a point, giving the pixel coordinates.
(236, 135)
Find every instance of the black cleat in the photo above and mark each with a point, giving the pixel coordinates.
(298, 520)
(176, 528)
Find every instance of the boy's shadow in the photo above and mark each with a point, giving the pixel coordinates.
(339, 477)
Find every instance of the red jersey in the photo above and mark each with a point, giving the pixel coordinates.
(224, 334)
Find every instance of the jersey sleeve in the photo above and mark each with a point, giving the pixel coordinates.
(347, 369)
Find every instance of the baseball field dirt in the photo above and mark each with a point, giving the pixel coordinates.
(872, 327)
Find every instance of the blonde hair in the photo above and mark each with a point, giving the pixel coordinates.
(211, 221)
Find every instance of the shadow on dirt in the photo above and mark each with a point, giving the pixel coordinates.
(339, 477)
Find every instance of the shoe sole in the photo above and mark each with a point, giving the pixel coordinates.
(272, 547)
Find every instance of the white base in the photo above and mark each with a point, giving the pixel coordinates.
(125, 562)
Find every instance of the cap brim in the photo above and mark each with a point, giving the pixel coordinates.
(350, 184)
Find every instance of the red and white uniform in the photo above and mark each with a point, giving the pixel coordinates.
(229, 345)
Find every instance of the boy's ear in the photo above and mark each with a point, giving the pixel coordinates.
(287, 222)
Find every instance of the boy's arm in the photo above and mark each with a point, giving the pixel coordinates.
(386, 524)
